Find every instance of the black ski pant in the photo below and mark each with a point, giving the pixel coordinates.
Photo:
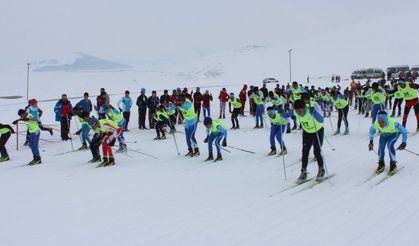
(397, 103)
(3, 140)
(65, 128)
(141, 118)
(312, 139)
(343, 113)
(360, 105)
(197, 111)
(234, 117)
(95, 144)
(126, 117)
(151, 120)
(159, 128)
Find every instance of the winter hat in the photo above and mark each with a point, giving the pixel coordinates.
(21, 112)
(93, 121)
(207, 121)
(142, 90)
(401, 81)
(231, 94)
(33, 101)
(382, 115)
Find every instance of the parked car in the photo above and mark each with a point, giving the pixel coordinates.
(368, 73)
(395, 71)
(270, 80)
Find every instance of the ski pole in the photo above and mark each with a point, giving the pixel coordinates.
(71, 139)
(328, 142)
(321, 147)
(226, 150)
(139, 152)
(17, 136)
(283, 156)
(244, 150)
(331, 124)
(174, 139)
(411, 152)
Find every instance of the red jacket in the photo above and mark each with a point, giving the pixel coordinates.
(207, 98)
(223, 96)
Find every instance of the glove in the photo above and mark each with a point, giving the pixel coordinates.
(206, 140)
(402, 146)
(15, 122)
(370, 146)
(112, 142)
(224, 144)
(120, 109)
(78, 132)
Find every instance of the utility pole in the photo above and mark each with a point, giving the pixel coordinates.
(289, 53)
(27, 83)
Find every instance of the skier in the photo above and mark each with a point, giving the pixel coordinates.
(124, 105)
(186, 108)
(85, 128)
(398, 100)
(259, 102)
(5, 131)
(390, 131)
(277, 102)
(313, 132)
(215, 132)
(342, 107)
(111, 132)
(378, 98)
(170, 111)
(63, 112)
(237, 105)
(142, 109)
(409, 91)
(37, 113)
(161, 118)
(278, 126)
(223, 97)
(97, 137)
(206, 104)
(33, 127)
(116, 116)
(325, 103)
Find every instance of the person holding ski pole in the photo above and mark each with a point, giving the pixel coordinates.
(237, 106)
(390, 131)
(185, 106)
(34, 133)
(313, 132)
(215, 132)
(5, 131)
(114, 115)
(278, 125)
(259, 102)
(161, 118)
(378, 98)
(342, 106)
(85, 128)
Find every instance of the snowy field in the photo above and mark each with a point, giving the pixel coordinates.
(173, 200)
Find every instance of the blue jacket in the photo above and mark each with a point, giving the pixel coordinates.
(126, 104)
(86, 105)
(58, 110)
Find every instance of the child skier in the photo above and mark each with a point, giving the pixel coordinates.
(215, 132)
(278, 126)
(186, 108)
(5, 132)
(97, 137)
(85, 128)
(170, 111)
(378, 98)
(116, 116)
(161, 119)
(313, 132)
(34, 131)
(390, 131)
(237, 106)
(342, 106)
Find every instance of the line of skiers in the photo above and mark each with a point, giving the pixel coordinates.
(307, 106)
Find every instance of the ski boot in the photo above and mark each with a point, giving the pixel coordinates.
(283, 151)
(392, 115)
(196, 152)
(210, 157)
(294, 127)
(111, 162)
(156, 138)
(346, 131)
(219, 157)
(288, 130)
(104, 162)
(256, 127)
(190, 152)
(380, 167)
(273, 152)
(5, 158)
(337, 131)
(163, 137)
(393, 168)
(320, 174)
(26, 143)
(303, 176)
(95, 159)
(83, 147)
(233, 128)
(35, 161)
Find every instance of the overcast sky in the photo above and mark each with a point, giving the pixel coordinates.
(132, 31)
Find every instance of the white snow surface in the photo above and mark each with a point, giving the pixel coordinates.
(175, 200)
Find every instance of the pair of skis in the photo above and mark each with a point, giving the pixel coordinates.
(313, 183)
(382, 179)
